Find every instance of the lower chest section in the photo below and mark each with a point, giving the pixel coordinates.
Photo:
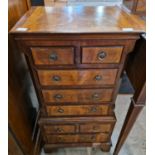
(77, 131)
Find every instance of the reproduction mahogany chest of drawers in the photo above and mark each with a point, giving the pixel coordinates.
(76, 56)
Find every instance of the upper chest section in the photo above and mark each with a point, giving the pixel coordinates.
(78, 50)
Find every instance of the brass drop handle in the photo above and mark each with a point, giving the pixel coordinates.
(95, 96)
(82, 138)
(60, 110)
(93, 137)
(93, 109)
(53, 56)
(60, 139)
(98, 77)
(101, 55)
(58, 96)
(59, 130)
(95, 127)
(56, 78)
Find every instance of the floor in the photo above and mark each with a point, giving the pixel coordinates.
(135, 143)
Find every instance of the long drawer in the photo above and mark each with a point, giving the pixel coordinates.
(74, 138)
(81, 77)
(48, 148)
(78, 95)
(79, 110)
(78, 128)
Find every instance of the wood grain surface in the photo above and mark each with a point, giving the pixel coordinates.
(79, 19)
(57, 129)
(92, 55)
(78, 95)
(77, 77)
(95, 127)
(85, 138)
(78, 110)
(53, 55)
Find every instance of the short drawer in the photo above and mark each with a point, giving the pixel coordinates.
(62, 138)
(78, 110)
(85, 138)
(77, 77)
(78, 95)
(49, 129)
(53, 55)
(96, 127)
(98, 55)
(102, 137)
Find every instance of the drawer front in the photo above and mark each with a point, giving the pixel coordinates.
(95, 55)
(78, 110)
(53, 55)
(48, 147)
(62, 138)
(75, 95)
(85, 138)
(95, 127)
(102, 137)
(49, 129)
(77, 78)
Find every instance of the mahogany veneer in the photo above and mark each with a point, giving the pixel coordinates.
(101, 55)
(78, 110)
(53, 56)
(76, 56)
(76, 138)
(78, 95)
(77, 77)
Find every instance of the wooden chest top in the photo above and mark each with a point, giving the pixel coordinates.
(79, 19)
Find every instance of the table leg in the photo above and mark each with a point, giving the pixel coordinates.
(133, 112)
(136, 71)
